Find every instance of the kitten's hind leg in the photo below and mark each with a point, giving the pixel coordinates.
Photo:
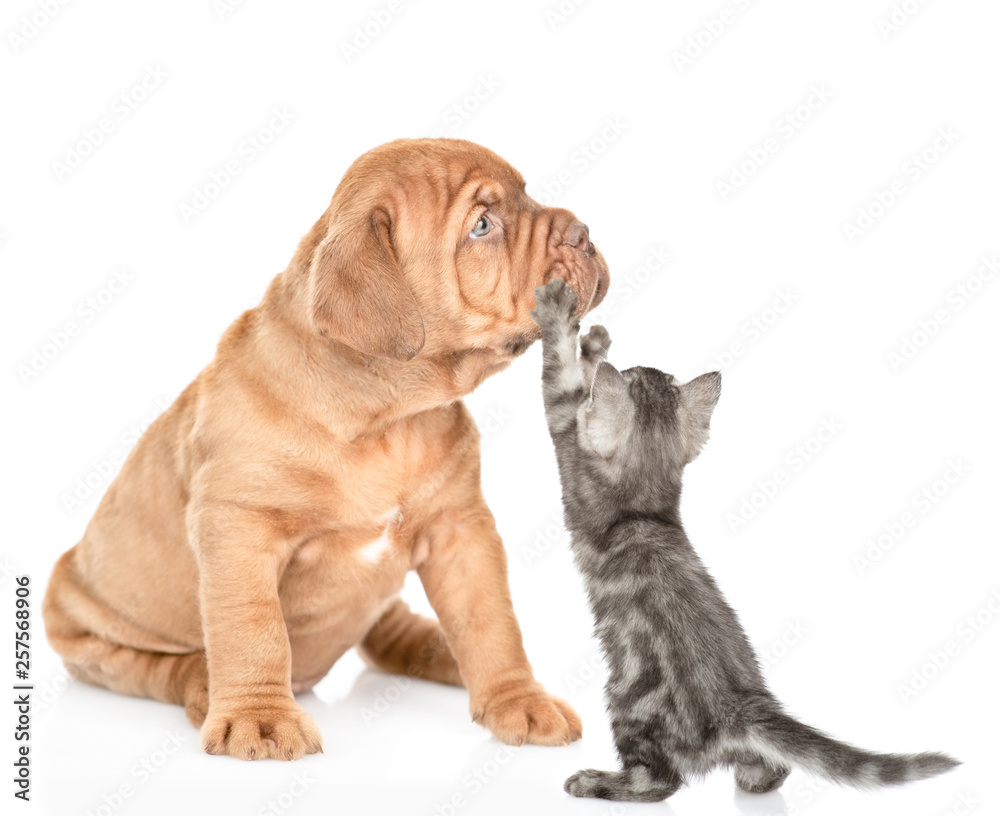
(594, 347)
(757, 776)
(635, 784)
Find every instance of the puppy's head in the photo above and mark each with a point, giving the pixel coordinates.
(432, 246)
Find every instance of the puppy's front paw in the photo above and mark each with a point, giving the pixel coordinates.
(261, 728)
(556, 306)
(521, 712)
(595, 343)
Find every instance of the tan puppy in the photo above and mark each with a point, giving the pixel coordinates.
(264, 523)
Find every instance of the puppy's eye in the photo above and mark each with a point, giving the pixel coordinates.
(483, 226)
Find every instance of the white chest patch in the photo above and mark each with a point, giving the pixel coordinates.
(374, 552)
(392, 516)
(377, 549)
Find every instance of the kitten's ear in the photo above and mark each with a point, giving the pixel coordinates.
(607, 417)
(700, 397)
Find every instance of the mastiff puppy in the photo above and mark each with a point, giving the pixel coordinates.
(264, 524)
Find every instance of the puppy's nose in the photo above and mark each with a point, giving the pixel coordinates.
(578, 237)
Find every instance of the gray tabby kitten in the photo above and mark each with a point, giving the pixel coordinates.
(685, 692)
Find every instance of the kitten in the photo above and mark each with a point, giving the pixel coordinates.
(685, 692)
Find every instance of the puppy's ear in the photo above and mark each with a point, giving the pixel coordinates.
(359, 295)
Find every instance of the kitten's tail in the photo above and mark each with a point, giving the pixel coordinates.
(780, 737)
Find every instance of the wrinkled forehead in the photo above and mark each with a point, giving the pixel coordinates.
(442, 173)
(453, 161)
(478, 172)
(461, 185)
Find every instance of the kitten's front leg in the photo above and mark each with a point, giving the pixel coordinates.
(594, 347)
(563, 385)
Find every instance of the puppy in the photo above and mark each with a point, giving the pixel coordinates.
(264, 524)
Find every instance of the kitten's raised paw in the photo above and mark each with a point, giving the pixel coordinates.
(556, 306)
(595, 343)
(633, 785)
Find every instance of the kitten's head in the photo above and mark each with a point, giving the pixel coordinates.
(643, 419)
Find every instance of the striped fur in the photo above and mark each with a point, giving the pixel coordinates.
(685, 692)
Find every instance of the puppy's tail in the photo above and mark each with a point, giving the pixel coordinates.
(782, 738)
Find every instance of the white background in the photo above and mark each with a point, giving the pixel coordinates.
(842, 641)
